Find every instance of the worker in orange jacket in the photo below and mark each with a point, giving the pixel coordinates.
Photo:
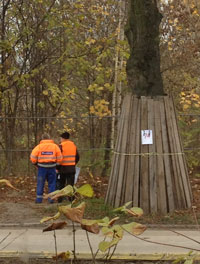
(46, 155)
(67, 168)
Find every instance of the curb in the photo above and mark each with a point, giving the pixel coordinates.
(38, 225)
(87, 256)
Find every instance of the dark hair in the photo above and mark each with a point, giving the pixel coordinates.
(65, 135)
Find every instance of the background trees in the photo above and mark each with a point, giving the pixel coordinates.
(59, 61)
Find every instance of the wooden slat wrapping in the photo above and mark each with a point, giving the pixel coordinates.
(129, 188)
(175, 157)
(167, 159)
(172, 149)
(181, 162)
(112, 185)
(122, 157)
(136, 171)
(153, 176)
(152, 160)
(144, 177)
(161, 184)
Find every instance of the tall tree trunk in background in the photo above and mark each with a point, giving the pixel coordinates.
(142, 31)
(116, 100)
(107, 152)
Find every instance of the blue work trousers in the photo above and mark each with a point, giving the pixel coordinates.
(44, 174)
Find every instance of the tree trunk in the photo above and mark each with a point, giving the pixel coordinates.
(142, 31)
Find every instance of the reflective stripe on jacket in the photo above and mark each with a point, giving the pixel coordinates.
(46, 154)
(69, 153)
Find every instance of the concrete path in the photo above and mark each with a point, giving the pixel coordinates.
(34, 242)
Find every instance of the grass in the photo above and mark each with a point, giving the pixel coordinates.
(97, 209)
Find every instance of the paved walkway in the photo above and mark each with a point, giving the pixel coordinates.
(33, 241)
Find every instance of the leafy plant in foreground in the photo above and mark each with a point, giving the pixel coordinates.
(112, 231)
(74, 211)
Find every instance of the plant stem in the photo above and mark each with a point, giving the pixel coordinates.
(185, 236)
(5, 237)
(107, 255)
(113, 252)
(163, 244)
(13, 239)
(98, 248)
(74, 241)
(88, 239)
(56, 252)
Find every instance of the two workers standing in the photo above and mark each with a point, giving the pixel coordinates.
(49, 157)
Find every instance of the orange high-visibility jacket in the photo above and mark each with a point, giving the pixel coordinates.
(69, 153)
(47, 154)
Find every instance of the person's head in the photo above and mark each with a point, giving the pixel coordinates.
(45, 136)
(65, 135)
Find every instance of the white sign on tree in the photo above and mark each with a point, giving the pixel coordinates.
(147, 137)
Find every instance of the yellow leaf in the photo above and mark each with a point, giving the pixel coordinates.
(45, 219)
(85, 190)
(45, 92)
(66, 191)
(134, 211)
(195, 12)
(185, 107)
(8, 184)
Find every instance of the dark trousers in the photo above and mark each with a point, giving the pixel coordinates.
(65, 179)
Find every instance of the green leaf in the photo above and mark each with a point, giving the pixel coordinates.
(122, 208)
(105, 245)
(89, 222)
(116, 232)
(189, 261)
(107, 231)
(107, 222)
(85, 190)
(178, 260)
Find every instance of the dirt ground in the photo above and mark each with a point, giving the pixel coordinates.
(19, 206)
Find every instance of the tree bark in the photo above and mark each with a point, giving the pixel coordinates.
(142, 31)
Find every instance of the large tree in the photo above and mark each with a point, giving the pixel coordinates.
(152, 175)
(142, 31)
